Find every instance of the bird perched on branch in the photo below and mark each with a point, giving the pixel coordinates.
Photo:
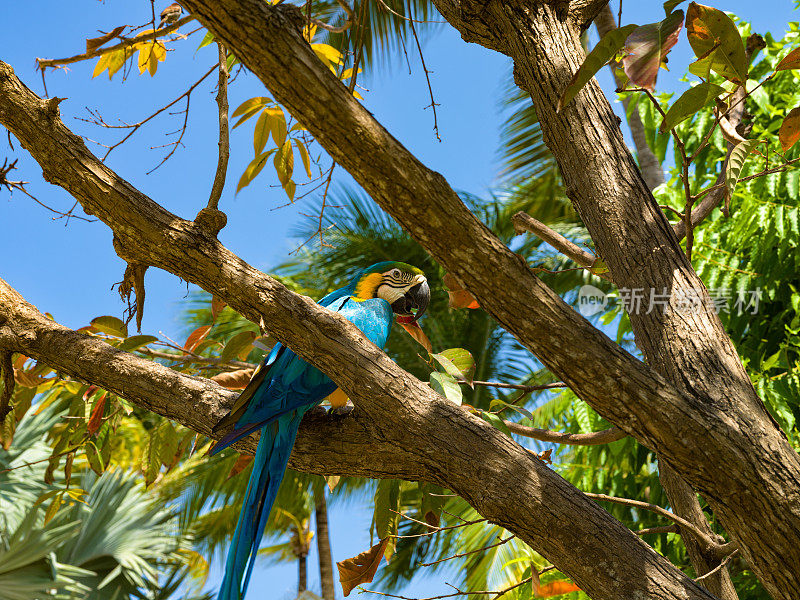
(285, 387)
(170, 14)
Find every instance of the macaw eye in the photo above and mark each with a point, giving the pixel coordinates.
(395, 273)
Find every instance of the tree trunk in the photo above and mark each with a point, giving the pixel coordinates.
(324, 546)
(302, 577)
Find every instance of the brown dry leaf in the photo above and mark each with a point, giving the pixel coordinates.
(556, 588)
(545, 456)
(360, 569)
(216, 307)
(790, 61)
(234, 380)
(789, 132)
(332, 481)
(459, 297)
(240, 465)
(93, 44)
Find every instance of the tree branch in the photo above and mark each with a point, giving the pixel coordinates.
(412, 440)
(596, 438)
(43, 63)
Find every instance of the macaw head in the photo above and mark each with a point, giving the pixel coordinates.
(404, 287)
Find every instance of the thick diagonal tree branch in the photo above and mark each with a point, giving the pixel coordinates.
(413, 442)
(721, 418)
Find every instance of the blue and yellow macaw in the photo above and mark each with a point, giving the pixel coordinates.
(285, 387)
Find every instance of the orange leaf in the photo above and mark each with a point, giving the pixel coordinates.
(459, 297)
(415, 331)
(197, 336)
(789, 132)
(790, 61)
(240, 465)
(360, 569)
(216, 307)
(556, 588)
(96, 418)
(234, 380)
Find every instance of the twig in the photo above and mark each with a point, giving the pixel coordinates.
(663, 529)
(134, 127)
(718, 567)
(388, 8)
(43, 63)
(521, 387)
(224, 143)
(458, 592)
(698, 533)
(340, 28)
(433, 528)
(433, 103)
(524, 222)
(597, 438)
(231, 365)
(462, 554)
(20, 185)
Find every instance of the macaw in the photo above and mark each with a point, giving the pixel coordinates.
(285, 387)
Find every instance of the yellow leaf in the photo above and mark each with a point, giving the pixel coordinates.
(53, 508)
(284, 162)
(304, 156)
(327, 54)
(102, 65)
(152, 64)
(290, 189)
(253, 169)
(277, 123)
(252, 103)
(357, 95)
(261, 133)
(115, 61)
(309, 31)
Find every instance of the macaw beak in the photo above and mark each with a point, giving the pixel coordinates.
(416, 298)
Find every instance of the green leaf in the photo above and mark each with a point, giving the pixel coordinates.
(495, 421)
(136, 341)
(96, 462)
(151, 460)
(670, 5)
(111, 326)
(238, 343)
(646, 49)
(207, 39)
(523, 411)
(385, 519)
(690, 102)
(445, 385)
(736, 161)
(463, 361)
(447, 365)
(713, 34)
(606, 48)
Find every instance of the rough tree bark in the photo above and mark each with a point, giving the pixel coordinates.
(717, 436)
(725, 419)
(418, 437)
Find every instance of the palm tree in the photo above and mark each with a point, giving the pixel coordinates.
(109, 539)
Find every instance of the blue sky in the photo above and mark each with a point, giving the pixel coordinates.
(69, 270)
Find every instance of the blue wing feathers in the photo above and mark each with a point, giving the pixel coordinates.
(283, 390)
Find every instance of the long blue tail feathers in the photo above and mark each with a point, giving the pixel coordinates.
(269, 465)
